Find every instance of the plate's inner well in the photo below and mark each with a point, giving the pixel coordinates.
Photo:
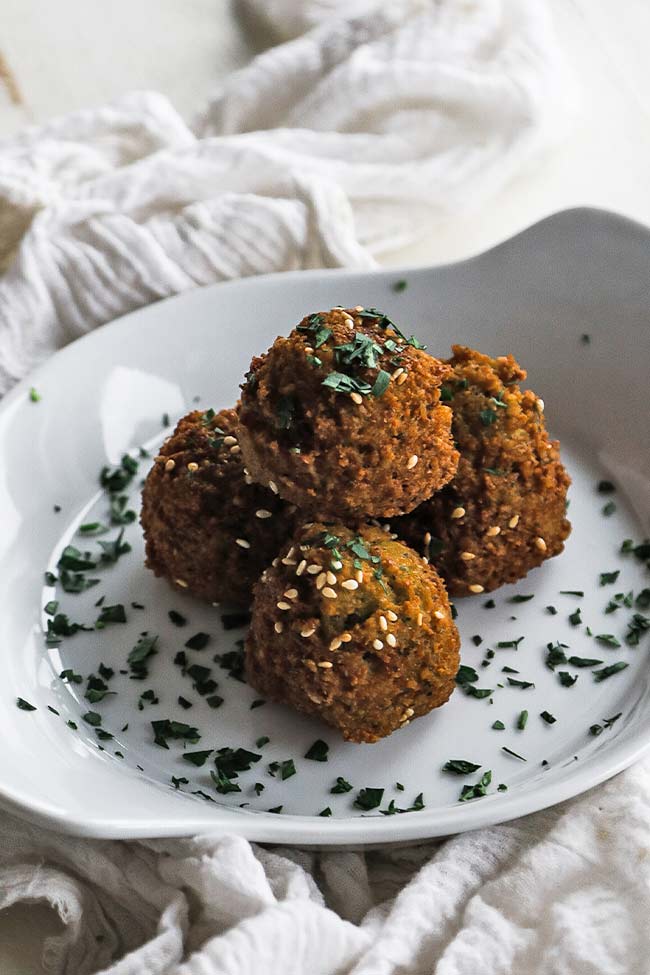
(153, 679)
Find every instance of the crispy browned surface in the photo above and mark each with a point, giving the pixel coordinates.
(509, 478)
(364, 689)
(191, 519)
(335, 458)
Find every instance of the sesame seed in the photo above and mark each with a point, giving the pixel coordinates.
(337, 565)
(310, 663)
(540, 543)
(377, 645)
(391, 616)
(359, 576)
(314, 569)
(329, 593)
(425, 560)
(278, 627)
(229, 441)
(236, 449)
(398, 373)
(321, 580)
(309, 350)
(291, 594)
(358, 308)
(540, 404)
(350, 584)
(402, 379)
(336, 643)
(282, 605)
(404, 722)
(248, 479)
(492, 531)
(263, 513)
(181, 583)
(356, 398)
(275, 562)
(308, 631)
(475, 588)
(383, 623)
(273, 487)
(391, 640)
(331, 578)
(170, 465)
(438, 613)
(346, 637)
(427, 538)
(420, 619)
(514, 521)
(192, 466)
(411, 462)
(467, 556)
(246, 471)
(325, 664)
(458, 513)
(242, 543)
(301, 568)
(409, 712)
(288, 561)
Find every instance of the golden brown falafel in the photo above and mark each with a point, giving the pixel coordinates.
(208, 528)
(343, 418)
(503, 514)
(355, 628)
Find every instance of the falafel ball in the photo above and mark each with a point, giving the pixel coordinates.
(355, 628)
(504, 512)
(208, 528)
(343, 418)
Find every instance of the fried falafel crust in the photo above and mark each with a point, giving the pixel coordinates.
(335, 452)
(198, 507)
(503, 514)
(354, 628)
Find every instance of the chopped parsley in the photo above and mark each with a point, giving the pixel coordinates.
(521, 599)
(286, 769)
(548, 717)
(607, 639)
(197, 758)
(567, 679)
(478, 790)
(165, 729)
(522, 720)
(460, 766)
(606, 578)
(198, 642)
(636, 627)
(575, 619)
(24, 705)
(368, 798)
(318, 751)
(584, 661)
(400, 286)
(111, 614)
(176, 618)
(498, 726)
(340, 786)
(34, 395)
(141, 652)
(524, 684)
(509, 751)
(600, 675)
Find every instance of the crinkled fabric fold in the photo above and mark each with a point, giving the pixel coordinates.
(563, 892)
(328, 150)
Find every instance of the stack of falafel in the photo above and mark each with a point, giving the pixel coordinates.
(356, 483)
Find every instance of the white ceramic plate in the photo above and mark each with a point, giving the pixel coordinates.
(578, 273)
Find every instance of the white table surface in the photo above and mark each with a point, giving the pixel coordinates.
(65, 55)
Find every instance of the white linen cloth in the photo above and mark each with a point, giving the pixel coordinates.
(328, 150)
